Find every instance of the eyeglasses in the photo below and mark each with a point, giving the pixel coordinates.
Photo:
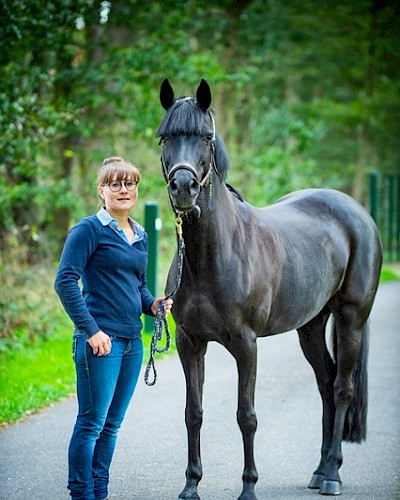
(116, 186)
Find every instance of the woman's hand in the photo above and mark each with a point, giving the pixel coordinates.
(100, 342)
(167, 305)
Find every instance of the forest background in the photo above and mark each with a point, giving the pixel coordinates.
(306, 94)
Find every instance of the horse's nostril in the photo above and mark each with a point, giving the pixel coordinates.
(173, 186)
(194, 187)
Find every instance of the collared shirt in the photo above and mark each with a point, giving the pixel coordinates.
(107, 220)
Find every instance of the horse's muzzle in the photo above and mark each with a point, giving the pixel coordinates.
(184, 188)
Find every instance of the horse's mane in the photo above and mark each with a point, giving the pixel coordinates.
(185, 117)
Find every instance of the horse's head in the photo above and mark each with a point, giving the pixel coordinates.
(188, 138)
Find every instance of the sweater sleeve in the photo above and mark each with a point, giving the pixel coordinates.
(147, 297)
(79, 246)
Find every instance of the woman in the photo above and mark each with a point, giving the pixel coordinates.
(108, 251)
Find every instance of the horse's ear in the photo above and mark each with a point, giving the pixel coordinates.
(203, 95)
(166, 94)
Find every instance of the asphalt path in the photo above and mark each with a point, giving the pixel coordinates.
(150, 459)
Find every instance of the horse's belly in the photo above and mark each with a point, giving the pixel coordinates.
(294, 312)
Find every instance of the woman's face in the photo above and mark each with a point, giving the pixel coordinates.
(119, 201)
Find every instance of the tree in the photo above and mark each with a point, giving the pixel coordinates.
(306, 94)
(34, 35)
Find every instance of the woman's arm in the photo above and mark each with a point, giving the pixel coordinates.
(79, 246)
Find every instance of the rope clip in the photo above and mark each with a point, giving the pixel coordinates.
(178, 223)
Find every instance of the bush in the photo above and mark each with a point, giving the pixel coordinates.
(29, 307)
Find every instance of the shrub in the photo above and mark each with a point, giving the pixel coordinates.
(28, 304)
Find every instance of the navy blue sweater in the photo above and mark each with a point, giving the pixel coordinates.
(113, 273)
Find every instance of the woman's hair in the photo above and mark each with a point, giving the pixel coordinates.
(116, 168)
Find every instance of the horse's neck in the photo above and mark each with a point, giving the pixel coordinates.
(206, 236)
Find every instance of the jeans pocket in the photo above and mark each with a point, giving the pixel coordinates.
(79, 346)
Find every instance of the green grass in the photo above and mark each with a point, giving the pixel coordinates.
(390, 273)
(35, 375)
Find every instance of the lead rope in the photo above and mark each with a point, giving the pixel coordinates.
(160, 320)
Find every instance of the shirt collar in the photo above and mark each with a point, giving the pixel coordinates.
(106, 219)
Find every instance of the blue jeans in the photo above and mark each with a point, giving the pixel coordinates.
(105, 385)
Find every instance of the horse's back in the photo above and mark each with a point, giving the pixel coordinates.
(322, 212)
(322, 204)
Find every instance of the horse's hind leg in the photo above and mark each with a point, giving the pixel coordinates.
(244, 350)
(192, 359)
(350, 388)
(312, 341)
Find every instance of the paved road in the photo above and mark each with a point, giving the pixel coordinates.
(151, 454)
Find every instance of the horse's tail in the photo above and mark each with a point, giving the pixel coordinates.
(355, 425)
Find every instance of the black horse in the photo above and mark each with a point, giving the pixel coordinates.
(253, 272)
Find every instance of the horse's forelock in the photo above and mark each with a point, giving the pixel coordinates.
(184, 117)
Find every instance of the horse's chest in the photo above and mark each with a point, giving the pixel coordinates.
(203, 313)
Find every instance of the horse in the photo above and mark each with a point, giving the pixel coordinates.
(254, 272)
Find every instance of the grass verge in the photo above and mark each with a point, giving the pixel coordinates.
(390, 273)
(35, 375)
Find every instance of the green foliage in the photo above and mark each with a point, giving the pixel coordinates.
(305, 95)
(29, 308)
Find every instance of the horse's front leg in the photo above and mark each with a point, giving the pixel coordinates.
(244, 349)
(192, 358)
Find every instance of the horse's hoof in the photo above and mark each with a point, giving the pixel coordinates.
(316, 481)
(248, 497)
(330, 487)
(189, 494)
(248, 493)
